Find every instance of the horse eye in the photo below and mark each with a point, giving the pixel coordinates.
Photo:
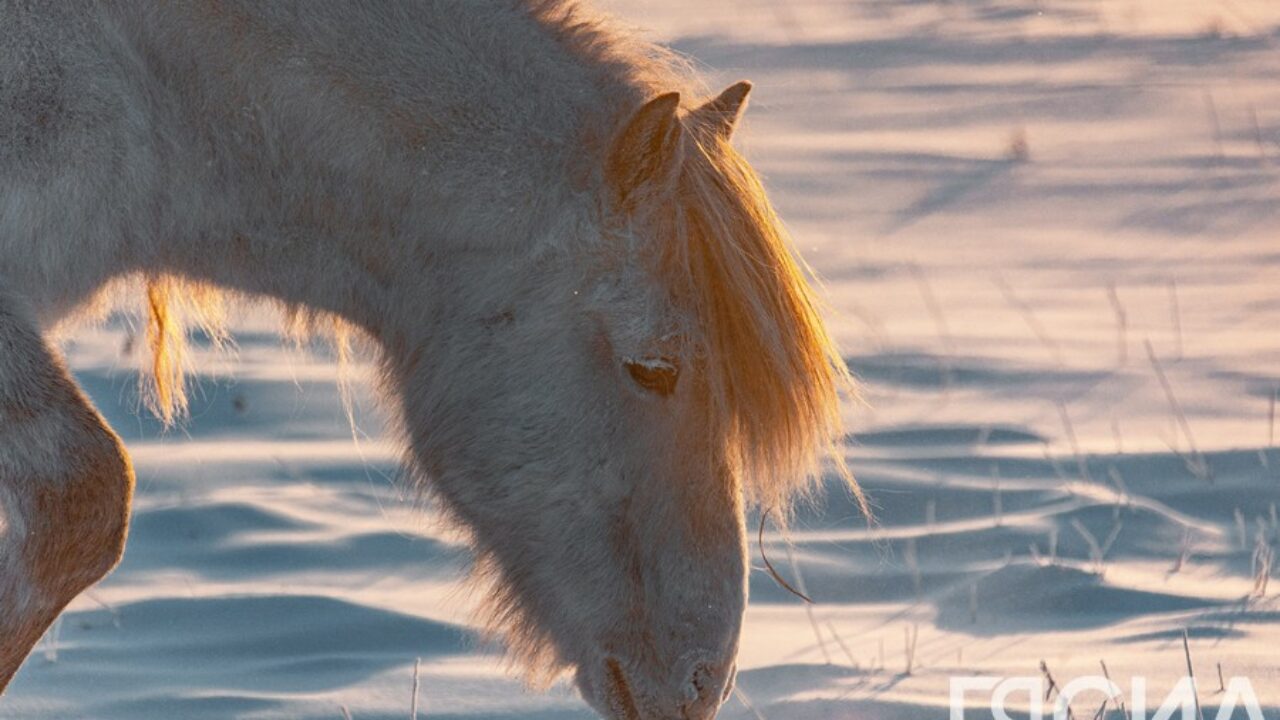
(657, 375)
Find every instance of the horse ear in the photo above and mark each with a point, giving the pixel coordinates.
(722, 113)
(646, 154)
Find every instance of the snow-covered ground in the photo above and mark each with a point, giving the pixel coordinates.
(1026, 213)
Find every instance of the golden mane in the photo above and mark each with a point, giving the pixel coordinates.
(774, 373)
(173, 304)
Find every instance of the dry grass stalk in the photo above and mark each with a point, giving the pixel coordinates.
(1029, 317)
(911, 633)
(1257, 135)
(769, 566)
(1184, 553)
(1097, 551)
(940, 323)
(1263, 561)
(1051, 685)
(1271, 419)
(997, 500)
(910, 555)
(808, 608)
(413, 706)
(1118, 698)
(1081, 464)
(843, 647)
(1115, 433)
(1211, 107)
(1175, 313)
(1191, 673)
(1196, 462)
(973, 603)
(1122, 326)
(1117, 480)
(746, 702)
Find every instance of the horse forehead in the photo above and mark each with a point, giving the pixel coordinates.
(637, 303)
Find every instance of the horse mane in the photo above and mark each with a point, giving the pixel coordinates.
(774, 373)
(175, 304)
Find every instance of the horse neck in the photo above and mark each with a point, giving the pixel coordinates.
(330, 182)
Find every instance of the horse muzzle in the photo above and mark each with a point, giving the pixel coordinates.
(698, 690)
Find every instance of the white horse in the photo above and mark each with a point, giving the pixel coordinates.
(590, 325)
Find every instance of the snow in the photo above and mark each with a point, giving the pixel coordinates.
(1024, 212)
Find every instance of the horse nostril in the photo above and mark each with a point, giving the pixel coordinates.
(704, 692)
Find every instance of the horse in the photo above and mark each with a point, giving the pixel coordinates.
(598, 345)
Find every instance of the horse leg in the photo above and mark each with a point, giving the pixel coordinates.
(65, 487)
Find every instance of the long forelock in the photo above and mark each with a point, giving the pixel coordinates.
(774, 374)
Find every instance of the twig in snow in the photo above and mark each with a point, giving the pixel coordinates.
(1052, 685)
(1029, 317)
(1197, 464)
(413, 706)
(1119, 699)
(843, 648)
(911, 634)
(910, 555)
(1081, 464)
(1215, 125)
(769, 566)
(1257, 135)
(1122, 326)
(940, 322)
(742, 698)
(808, 607)
(1175, 313)
(1271, 419)
(1191, 673)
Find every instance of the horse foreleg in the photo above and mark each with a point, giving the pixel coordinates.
(65, 487)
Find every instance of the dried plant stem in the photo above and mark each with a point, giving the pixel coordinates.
(1070, 428)
(808, 607)
(746, 702)
(413, 706)
(843, 647)
(1029, 317)
(1212, 107)
(1119, 699)
(1197, 463)
(1271, 420)
(911, 633)
(1191, 673)
(769, 566)
(1122, 326)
